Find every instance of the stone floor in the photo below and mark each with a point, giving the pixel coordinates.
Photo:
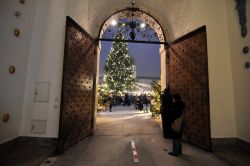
(233, 154)
(25, 155)
(111, 146)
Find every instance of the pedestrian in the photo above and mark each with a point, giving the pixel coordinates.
(177, 125)
(136, 102)
(165, 110)
(126, 100)
(110, 103)
(146, 103)
(140, 103)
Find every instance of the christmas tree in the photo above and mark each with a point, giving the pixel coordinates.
(118, 71)
(155, 98)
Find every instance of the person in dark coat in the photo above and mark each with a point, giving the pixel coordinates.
(178, 112)
(110, 103)
(165, 110)
(140, 103)
(146, 103)
(126, 100)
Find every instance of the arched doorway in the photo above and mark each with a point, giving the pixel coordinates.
(78, 101)
(137, 27)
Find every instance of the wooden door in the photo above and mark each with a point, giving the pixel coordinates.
(189, 78)
(78, 86)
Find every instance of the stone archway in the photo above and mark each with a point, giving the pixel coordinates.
(136, 13)
(71, 109)
(158, 35)
(189, 80)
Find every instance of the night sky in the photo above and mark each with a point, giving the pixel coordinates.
(147, 58)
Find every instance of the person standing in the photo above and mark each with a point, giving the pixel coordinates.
(126, 100)
(110, 103)
(140, 102)
(146, 103)
(165, 110)
(177, 125)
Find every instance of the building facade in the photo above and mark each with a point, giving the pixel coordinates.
(37, 55)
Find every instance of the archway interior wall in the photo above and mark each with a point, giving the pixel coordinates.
(164, 67)
(79, 11)
(98, 16)
(177, 18)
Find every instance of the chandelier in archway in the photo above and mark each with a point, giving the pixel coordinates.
(135, 25)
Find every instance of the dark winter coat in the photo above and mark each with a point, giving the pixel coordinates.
(177, 111)
(166, 109)
(166, 105)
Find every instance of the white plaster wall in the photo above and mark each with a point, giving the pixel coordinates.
(189, 15)
(177, 18)
(220, 76)
(241, 76)
(14, 51)
(212, 14)
(46, 60)
(45, 65)
(78, 10)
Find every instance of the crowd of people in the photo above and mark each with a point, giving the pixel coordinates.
(140, 102)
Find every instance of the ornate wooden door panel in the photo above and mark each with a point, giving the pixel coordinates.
(78, 86)
(189, 78)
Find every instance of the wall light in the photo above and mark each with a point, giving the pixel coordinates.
(143, 25)
(113, 22)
